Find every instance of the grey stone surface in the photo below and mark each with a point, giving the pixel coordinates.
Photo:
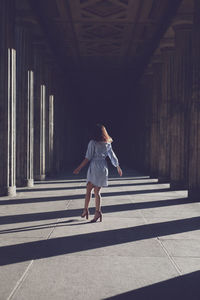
(188, 264)
(91, 277)
(48, 252)
(10, 276)
(183, 248)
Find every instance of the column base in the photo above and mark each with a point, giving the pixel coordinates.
(153, 175)
(11, 191)
(40, 177)
(176, 185)
(25, 183)
(194, 194)
(8, 191)
(30, 183)
(163, 180)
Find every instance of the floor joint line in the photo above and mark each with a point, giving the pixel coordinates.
(20, 281)
(169, 256)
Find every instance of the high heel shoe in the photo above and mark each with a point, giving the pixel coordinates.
(98, 215)
(85, 213)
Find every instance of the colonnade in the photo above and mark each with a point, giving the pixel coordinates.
(174, 100)
(31, 90)
(40, 127)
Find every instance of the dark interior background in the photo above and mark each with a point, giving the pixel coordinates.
(102, 49)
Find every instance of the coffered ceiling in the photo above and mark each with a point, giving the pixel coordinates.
(99, 34)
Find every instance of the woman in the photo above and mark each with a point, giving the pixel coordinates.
(97, 176)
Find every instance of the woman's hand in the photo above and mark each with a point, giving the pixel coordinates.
(76, 171)
(83, 164)
(119, 170)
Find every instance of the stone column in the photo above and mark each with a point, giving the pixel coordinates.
(194, 141)
(24, 143)
(167, 54)
(56, 145)
(147, 96)
(51, 133)
(30, 131)
(7, 99)
(46, 108)
(59, 117)
(39, 114)
(181, 105)
(49, 115)
(155, 121)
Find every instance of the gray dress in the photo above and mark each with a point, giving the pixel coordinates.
(98, 170)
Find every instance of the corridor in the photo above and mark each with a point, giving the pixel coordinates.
(147, 246)
(133, 66)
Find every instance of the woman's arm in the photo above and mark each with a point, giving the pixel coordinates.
(119, 170)
(88, 157)
(114, 160)
(83, 164)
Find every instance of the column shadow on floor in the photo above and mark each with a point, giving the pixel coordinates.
(31, 217)
(83, 242)
(83, 180)
(79, 196)
(43, 189)
(185, 287)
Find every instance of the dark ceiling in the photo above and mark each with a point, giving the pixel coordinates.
(102, 48)
(104, 34)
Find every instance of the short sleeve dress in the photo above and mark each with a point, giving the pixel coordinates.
(98, 169)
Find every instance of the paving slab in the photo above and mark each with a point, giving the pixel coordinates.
(182, 248)
(10, 276)
(91, 277)
(187, 264)
(149, 237)
(39, 229)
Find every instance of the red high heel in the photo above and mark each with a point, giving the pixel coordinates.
(98, 215)
(85, 213)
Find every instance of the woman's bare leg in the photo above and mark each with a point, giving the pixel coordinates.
(98, 214)
(97, 198)
(88, 194)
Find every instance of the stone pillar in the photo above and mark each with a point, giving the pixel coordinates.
(181, 105)
(49, 115)
(56, 145)
(46, 108)
(167, 54)
(147, 96)
(59, 117)
(30, 131)
(39, 114)
(155, 121)
(51, 133)
(7, 99)
(194, 141)
(25, 77)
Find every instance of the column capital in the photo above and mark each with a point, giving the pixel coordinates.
(148, 71)
(25, 20)
(185, 16)
(182, 25)
(168, 41)
(167, 45)
(183, 28)
(156, 59)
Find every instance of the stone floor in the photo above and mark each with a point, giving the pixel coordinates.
(147, 247)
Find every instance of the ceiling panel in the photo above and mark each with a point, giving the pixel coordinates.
(115, 31)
